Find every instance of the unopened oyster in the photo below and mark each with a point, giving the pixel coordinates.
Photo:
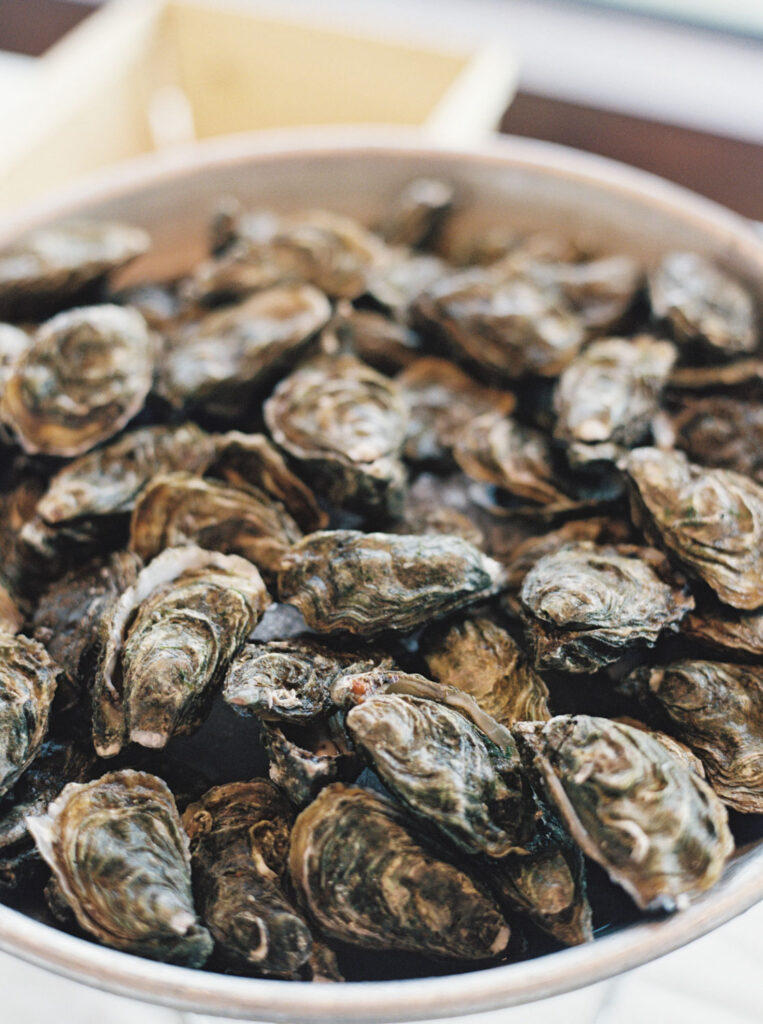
(723, 431)
(445, 771)
(381, 342)
(703, 304)
(85, 375)
(586, 604)
(676, 748)
(221, 363)
(726, 629)
(509, 326)
(651, 822)
(239, 837)
(711, 520)
(167, 642)
(396, 282)
(600, 291)
(608, 394)
(290, 680)
(441, 401)
(121, 859)
(479, 657)
(442, 504)
(368, 582)
(597, 529)
(345, 424)
(417, 213)
(27, 686)
(179, 508)
(363, 871)
(717, 710)
(304, 759)
(52, 265)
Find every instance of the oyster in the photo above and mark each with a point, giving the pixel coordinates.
(739, 373)
(120, 856)
(167, 642)
(586, 604)
(369, 582)
(477, 656)
(179, 508)
(223, 362)
(441, 402)
(345, 424)
(239, 837)
(54, 264)
(367, 876)
(652, 823)
(723, 432)
(703, 304)
(676, 748)
(304, 759)
(396, 283)
(383, 343)
(417, 213)
(609, 393)
(84, 377)
(13, 344)
(716, 709)
(11, 619)
(726, 629)
(445, 771)
(600, 291)
(597, 529)
(27, 686)
(508, 326)
(290, 680)
(711, 520)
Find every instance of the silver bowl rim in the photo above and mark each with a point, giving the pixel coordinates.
(424, 998)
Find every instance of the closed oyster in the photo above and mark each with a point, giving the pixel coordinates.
(739, 373)
(600, 291)
(400, 278)
(597, 529)
(304, 759)
(27, 686)
(239, 837)
(167, 642)
(222, 363)
(703, 304)
(724, 432)
(609, 393)
(345, 424)
(652, 823)
(441, 402)
(179, 508)
(368, 582)
(85, 375)
(445, 771)
(585, 605)
(479, 657)
(54, 264)
(711, 520)
(726, 629)
(363, 871)
(442, 504)
(508, 326)
(120, 856)
(676, 748)
(717, 710)
(290, 680)
(11, 619)
(417, 213)
(380, 342)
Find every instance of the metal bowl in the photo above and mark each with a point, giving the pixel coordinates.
(529, 185)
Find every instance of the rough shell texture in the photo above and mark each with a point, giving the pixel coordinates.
(416, 214)
(167, 642)
(597, 529)
(361, 869)
(586, 604)
(600, 291)
(83, 378)
(302, 760)
(724, 432)
(711, 520)
(379, 341)
(676, 748)
(121, 858)
(726, 629)
(651, 822)
(239, 836)
(369, 582)
(27, 686)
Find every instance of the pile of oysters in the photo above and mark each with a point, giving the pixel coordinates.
(374, 590)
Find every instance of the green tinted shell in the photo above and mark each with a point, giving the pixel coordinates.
(27, 686)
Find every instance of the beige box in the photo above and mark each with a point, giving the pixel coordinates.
(140, 75)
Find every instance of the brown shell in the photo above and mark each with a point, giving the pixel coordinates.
(724, 432)
(417, 212)
(27, 687)
(726, 629)
(11, 619)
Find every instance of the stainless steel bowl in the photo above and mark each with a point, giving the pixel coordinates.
(517, 182)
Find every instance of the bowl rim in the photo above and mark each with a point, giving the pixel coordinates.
(382, 1002)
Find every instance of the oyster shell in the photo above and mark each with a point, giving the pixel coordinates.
(676, 748)
(179, 508)
(222, 362)
(380, 342)
(363, 871)
(652, 823)
(716, 709)
(27, 686)
(13, 344)
(84, 377)
(711, 520)
(586, 604)
(120, 856)
(441, 401)
(239, 838)
(726, 629)
(11, 619)
(477, 656)
(345, 424)
(167, 642)
(304, 759)
(54, 264)
(600, 291)
(724, 432)
(368, 582)
(445, 771)
(417, 213)
(703, 304)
